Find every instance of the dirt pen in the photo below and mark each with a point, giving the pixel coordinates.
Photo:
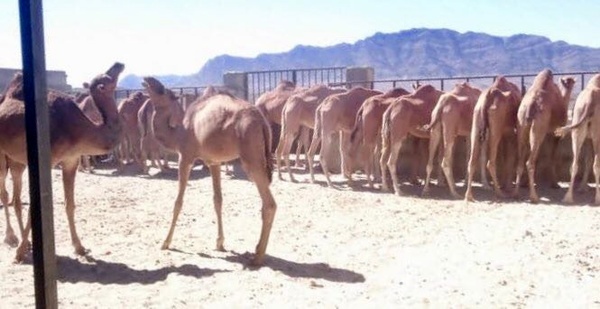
(328, 248)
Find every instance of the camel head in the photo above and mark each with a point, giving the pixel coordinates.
(209, 92)
(416, 85)
(168, 113)
(115, 70)
(568, 82)
(286, 85)
(14, 89)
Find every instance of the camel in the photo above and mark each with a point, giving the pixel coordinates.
(494, 120)
(16, 171)
(366, 134)
(130, 145)
(271, 104)
(405, 115)
(543, 109)
(217, 128)
(337, 113)
(297, 117)
(72, 134)
(150, 148)
(585, 124)
(451, 117)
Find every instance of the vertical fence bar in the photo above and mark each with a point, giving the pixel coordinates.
(295, 77)
(38, 152)
(582, 81)
(523, 90)
(442, 84)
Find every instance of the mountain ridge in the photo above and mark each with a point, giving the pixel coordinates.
(417, 52)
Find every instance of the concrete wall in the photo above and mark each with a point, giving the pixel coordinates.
(55, 79)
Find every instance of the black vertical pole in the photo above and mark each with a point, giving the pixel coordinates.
(38, 152)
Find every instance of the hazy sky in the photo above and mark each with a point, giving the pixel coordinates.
(85, 37)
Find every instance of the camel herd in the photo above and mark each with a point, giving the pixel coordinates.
(372, 126)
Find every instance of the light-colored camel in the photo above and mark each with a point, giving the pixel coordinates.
(405, 115)
(365, 138)
(543, 110)
(297, 117)
(452, 117)
(494, 121)
(585, 124)
(271, 104)
(150, 148)
(72, 134)
(130, 145)
(216, 128)
(336, 114)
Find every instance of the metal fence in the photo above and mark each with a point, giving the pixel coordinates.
(263, 81)
(124, 93)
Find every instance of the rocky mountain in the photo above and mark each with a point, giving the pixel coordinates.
(410, 53)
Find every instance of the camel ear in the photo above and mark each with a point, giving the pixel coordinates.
(86, 85)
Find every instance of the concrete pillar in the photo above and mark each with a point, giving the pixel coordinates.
(360, 77)
(237, 83)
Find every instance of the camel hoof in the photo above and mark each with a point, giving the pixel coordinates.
(534, 199)
(425, 192)
(80, 250)
(568, 200)
(257, 261)
(22, 251)
(500, 194)
(220, 248)
(11, 240)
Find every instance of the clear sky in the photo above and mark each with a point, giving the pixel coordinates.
(85, 37)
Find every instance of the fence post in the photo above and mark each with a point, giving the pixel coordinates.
(523, 89)
(237, 82)
(360, 76)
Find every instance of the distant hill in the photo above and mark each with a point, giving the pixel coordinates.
(410, 53)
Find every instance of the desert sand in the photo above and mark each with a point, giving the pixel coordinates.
(328, 248)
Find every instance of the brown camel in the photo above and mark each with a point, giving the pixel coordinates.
(543, 110)
(216, 128)
(297, 117)
(16, 171)
(271, 104)
(72, 134)
(336, 114)
(366, 134)
(585, 124)
(150, 148)
(494, 121)
(405, 115)
(130, 145)
(451, 117)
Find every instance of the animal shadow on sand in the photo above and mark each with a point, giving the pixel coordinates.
(104, 272)
(299, 270)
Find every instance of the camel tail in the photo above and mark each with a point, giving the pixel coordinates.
(485, 112)
(318, 124)
(385, 129)
(436, 115)
(587, 113)
(358, 125)
(268, 140)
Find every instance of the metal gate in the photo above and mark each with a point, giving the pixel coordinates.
(259, 82)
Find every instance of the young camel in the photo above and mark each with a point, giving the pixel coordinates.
(216, 128)
(297, 117)
(543, 110)
(366, 134)
(586, 124)
(337, 113)
(150, 148)
(451, 117)
(72, 134)
(130, 145)
(406, 115)
(271, 104)
(494, 120)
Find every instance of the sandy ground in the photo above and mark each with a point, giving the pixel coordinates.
(329, 248)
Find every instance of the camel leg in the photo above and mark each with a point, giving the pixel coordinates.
(447, 162)
(595, 136)
(485, 183)
(279, 151)
(325, 144)
(310, 156)
(392, 165)
(185, 167)
(577, 138)
(10, 238)
(473, 160)
(215, 173)
(385, 156)
(536, 137)
(69, 169)
(368, 164)
(346, 163)
(304, 140)
(588, 161)
(553, 157)
(16, 172)
(522, 140)
(434, 142)
(255, 168)
(493, 142)
(144, 155)
(286, 145)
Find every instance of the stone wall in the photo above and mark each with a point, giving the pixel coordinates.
(55, 79)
